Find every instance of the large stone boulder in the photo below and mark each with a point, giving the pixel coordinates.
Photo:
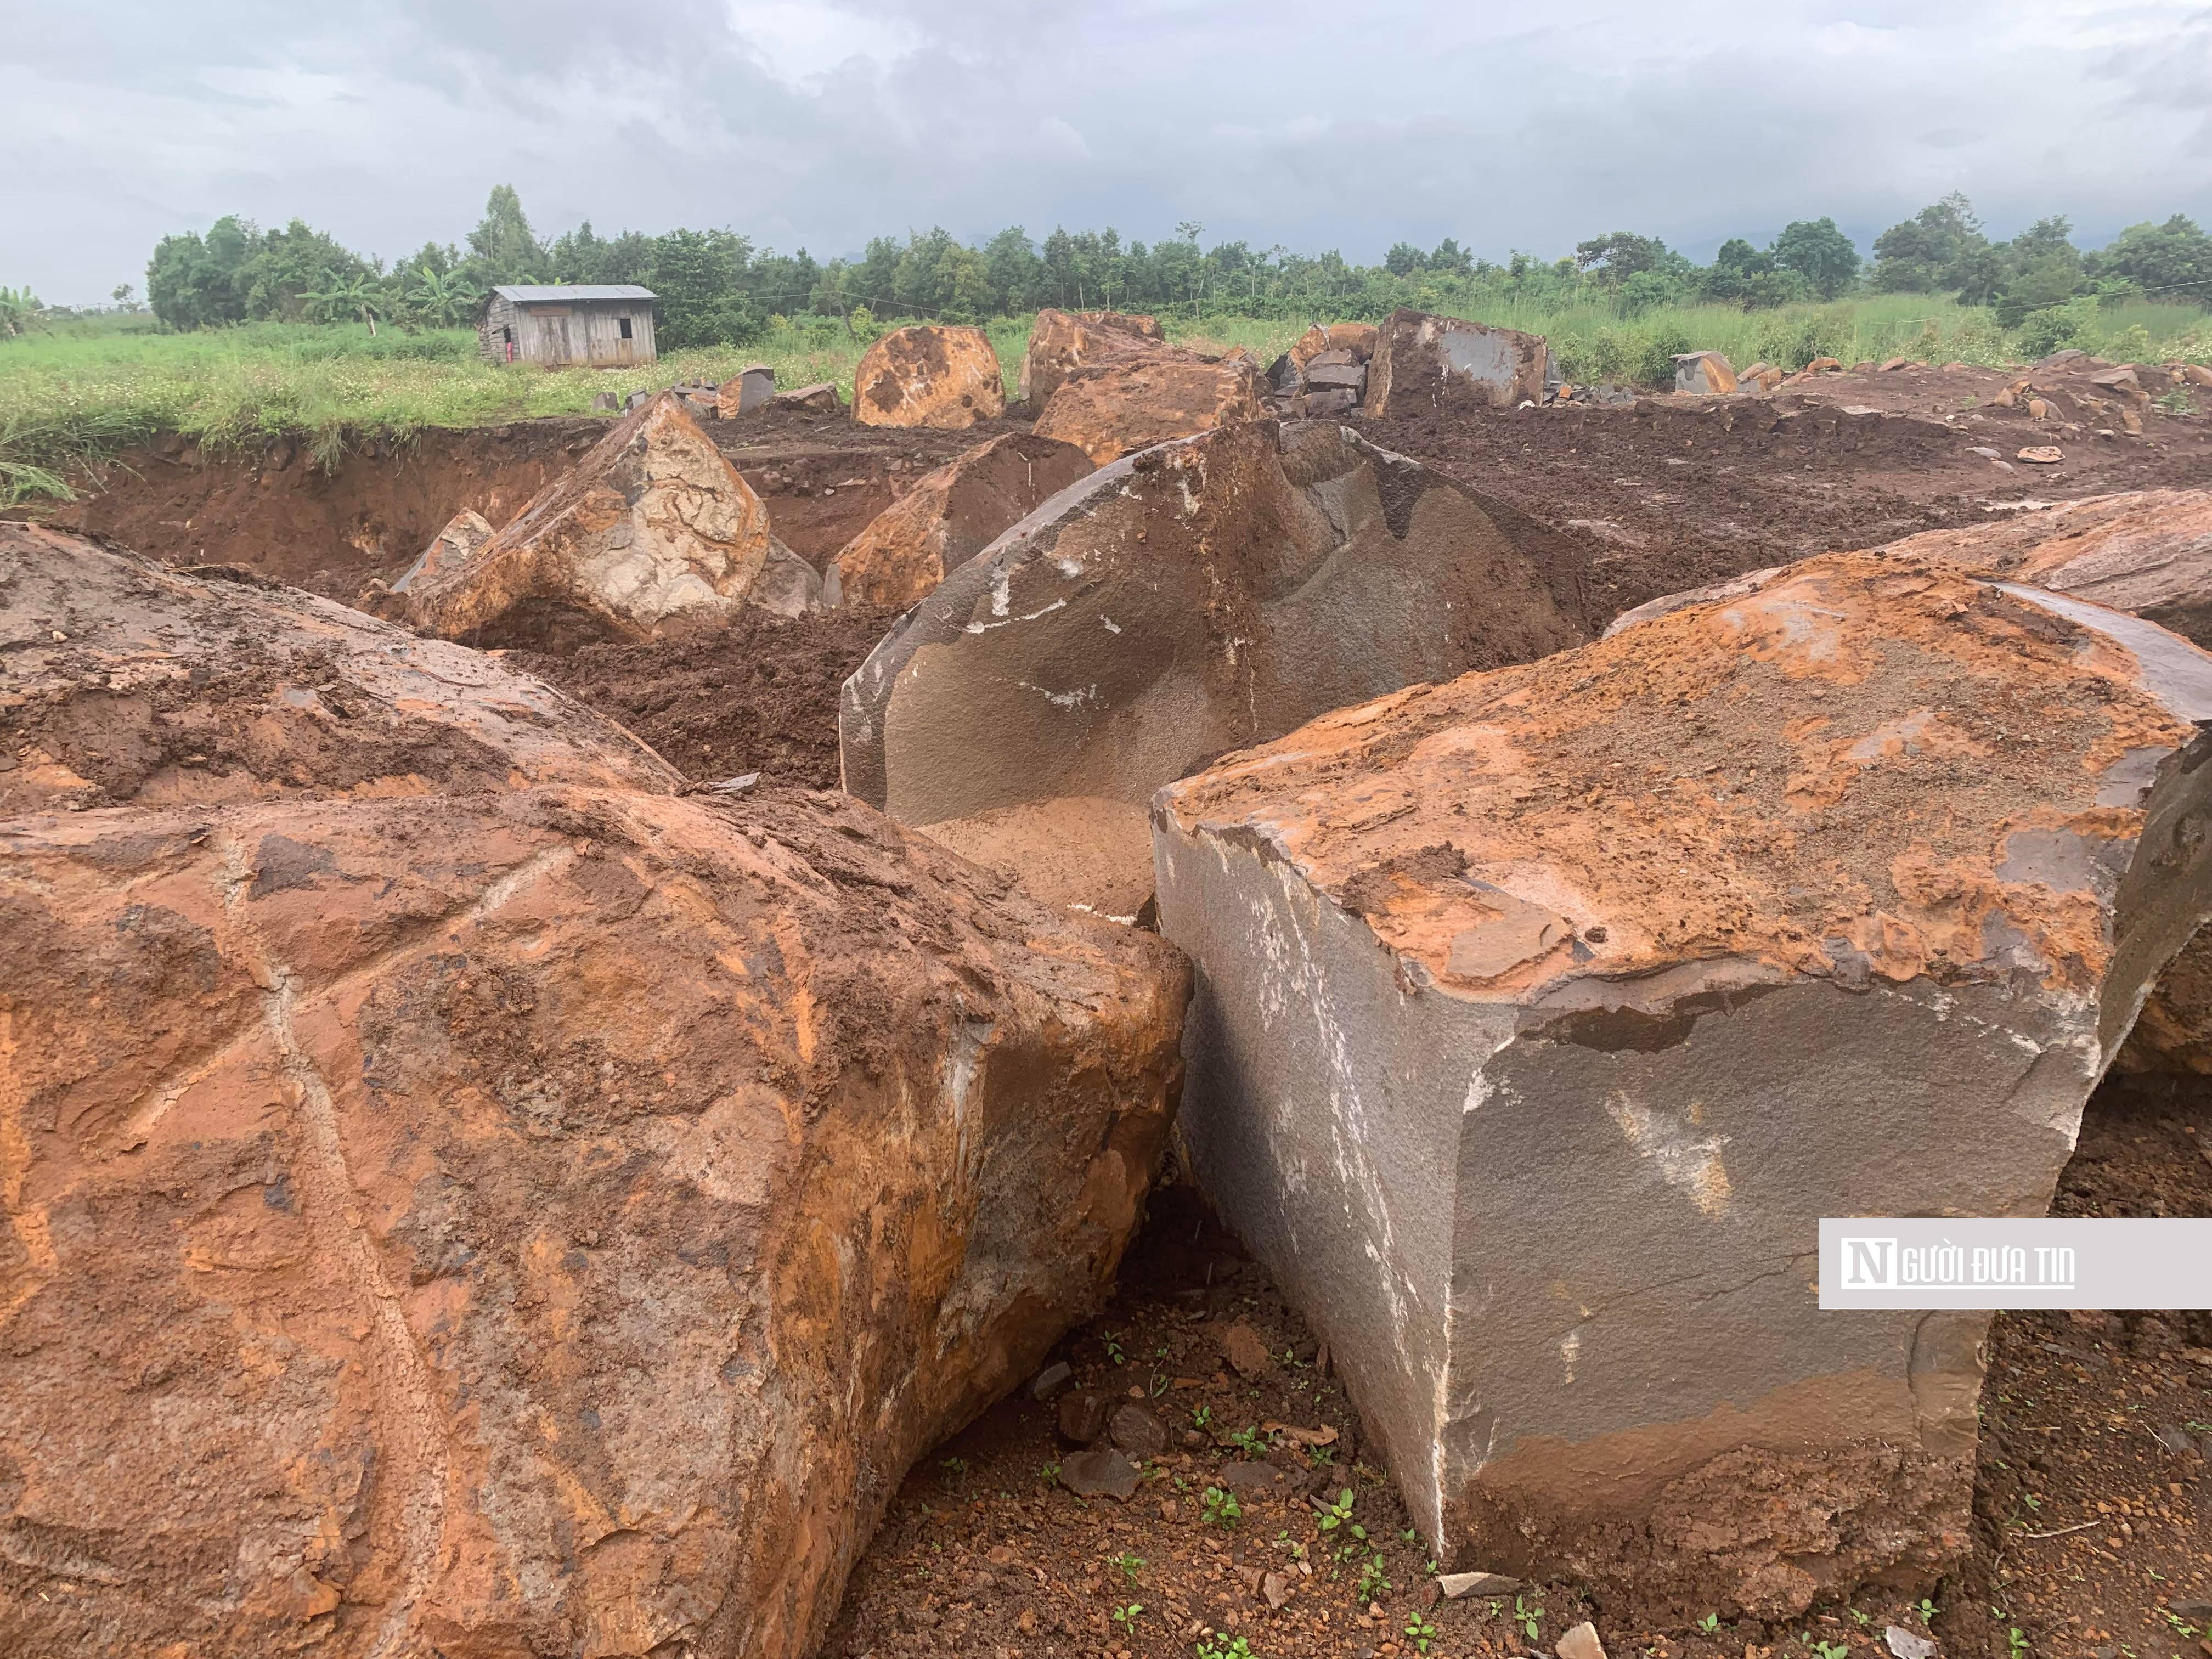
(2148, 551)
(1704, 373)
(547, 1222)
(950, 516)
(1543, 1014)
(653, 525)
(1205, 594)
(1130, 403)
(1423, 362)
(929, 375)
(1061, 340)
(128, 681)
(463, 1195)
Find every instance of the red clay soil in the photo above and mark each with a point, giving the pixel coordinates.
(759, 694)
(985, 1553)
(276, 511)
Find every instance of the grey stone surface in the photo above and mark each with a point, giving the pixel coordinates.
(1549, 1182)
(1425, 361)
(1203, 594)
(1100, 1472)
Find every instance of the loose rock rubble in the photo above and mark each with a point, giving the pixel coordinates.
(517, 1208)
(950, 515)
(653, 525)
(929, 375)
(1204, 594)
(1498, 1062)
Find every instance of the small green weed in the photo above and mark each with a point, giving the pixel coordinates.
(1217, 1508)
(1130, 1563)
(1709, 1622)
(1527, 1617)
(1224, 1647)
(1420, 1632)
(1127, 1617)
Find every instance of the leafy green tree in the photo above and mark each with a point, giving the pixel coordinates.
(504, 241)
(193, 282)
(19, 309)
(1404, 259)
(699, 277)
(2172, 261)
(1925, 253)
(1827, 259)
(443, 299)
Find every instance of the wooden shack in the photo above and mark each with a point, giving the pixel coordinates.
(604, 324)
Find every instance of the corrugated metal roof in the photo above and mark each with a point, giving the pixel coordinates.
(531, 294)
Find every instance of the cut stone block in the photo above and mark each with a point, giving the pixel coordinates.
(1422, 362)
(929, 375)
(820, 399)
(1202, 595)
(1061, 342)
(652, 525)
(1705, 372)
(750, 388)
(950, 515)
(1131, 402)
(1543, 1014)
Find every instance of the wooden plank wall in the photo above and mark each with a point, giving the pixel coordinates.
(587, 333)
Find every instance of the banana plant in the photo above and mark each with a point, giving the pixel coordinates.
(348, 297)
(19, 309)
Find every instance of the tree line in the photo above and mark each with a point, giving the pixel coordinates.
(717, 287)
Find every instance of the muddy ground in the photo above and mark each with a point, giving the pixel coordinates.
(2094, 1497)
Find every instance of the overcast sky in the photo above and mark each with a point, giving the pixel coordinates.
(1313, 125)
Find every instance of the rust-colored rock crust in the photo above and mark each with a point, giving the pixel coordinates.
(1132, 402)
(1546, 1010)
(950, 515)
(931, 375)
(1061, 340)
(122, 679)
(653, 524)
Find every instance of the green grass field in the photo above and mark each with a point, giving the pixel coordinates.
(85, 391)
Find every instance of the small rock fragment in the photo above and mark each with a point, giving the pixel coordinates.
(1100, 1471)
(1137, 1431)
(1458, 1584)
(2042, 454)
(1580, 1643)
(1085, 1413)
(1276, 1588)
(1905, 1645)
(1051, 1380)
(1244, 1349)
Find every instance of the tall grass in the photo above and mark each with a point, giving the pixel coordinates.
(82, 393)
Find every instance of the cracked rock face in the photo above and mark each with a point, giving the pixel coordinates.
(652, 527)
(1127, 402)
(1543, 1014)
(1422, 362)
(503, 1211)
(1061, 340)
(124, 680)
(929, 375)
(1205, 594)
(950, 515)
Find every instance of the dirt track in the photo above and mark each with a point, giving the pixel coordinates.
(1624, 505)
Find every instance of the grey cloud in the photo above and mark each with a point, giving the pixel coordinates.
(1289, 121)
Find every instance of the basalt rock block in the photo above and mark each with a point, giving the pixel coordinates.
(1061, 342)
(1358, 339)
(1205, 594)
(2148, 551)
(820, 399)
(128, 681)
(1115, 409)
(1704, 372)
(1422, 362)
(1544, 1012)
(929, 375)
(654, 525)
(751, 387)
(950, 515)
(453, 547)
(547, 1222)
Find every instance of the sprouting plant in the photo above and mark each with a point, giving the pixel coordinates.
(1408, 1534)
(1709, 1622)
(1127, 1617)
(1833, 1649)
(2015, 1643)
(1420, 1632)
(1130, 1563)
(1112, 1344)
(1049, 1474)
(1223, 1647)
(1863, 1620)
(1250, 1440)
(1374, 1581)
(2182, 1627)
(956, 1472)
(1324, 1455)
(1161, 1383)
(1526, 1617)
(1336, 1515)
(1217, 1508)
(1201, 1417)
(1926, 1609)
